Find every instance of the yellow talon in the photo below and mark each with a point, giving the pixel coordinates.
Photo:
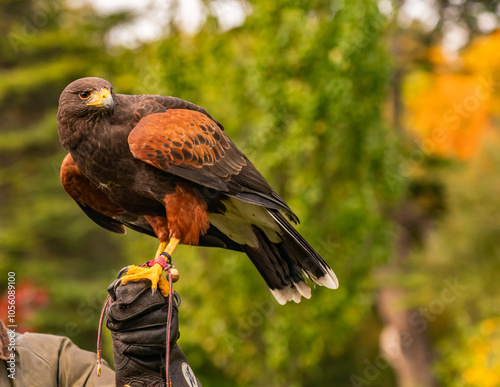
(154, 274)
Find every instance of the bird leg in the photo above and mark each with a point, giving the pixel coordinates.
(161, 248)
(172, 244)
(155, 268)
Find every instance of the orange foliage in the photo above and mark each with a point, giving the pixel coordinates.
(450, 109)
(483, 56)
(483, 360)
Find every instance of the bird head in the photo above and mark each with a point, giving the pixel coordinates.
(87, 96)
(83, 102)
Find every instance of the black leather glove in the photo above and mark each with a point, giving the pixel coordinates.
(137, 321)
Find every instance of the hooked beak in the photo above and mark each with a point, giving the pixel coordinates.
(102, 98)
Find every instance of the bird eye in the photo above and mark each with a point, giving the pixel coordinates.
(84, 94)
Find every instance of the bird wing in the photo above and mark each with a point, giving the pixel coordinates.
(108, 215)
(191, 145)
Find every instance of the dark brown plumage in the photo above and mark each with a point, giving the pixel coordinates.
(164, 167)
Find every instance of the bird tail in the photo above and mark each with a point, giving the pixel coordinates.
(285, 265)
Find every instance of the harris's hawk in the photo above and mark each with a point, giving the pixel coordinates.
(164, 167)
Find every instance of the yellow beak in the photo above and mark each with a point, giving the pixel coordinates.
(102, 98)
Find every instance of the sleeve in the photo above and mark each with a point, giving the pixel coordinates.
(78, 368)
(53, 361)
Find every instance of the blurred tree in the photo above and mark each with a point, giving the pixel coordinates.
(451, 108)
(454, 281)
(466, 112)
(435, 102)
(299, 86)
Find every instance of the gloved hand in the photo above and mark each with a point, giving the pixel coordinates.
(137, 321)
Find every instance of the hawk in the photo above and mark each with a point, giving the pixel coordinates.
(164, 167)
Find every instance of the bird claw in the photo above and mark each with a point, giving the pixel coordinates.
(154, 274)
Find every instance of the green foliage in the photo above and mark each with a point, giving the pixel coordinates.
(299, 87)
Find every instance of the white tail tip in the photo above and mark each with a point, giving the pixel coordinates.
(329, 280)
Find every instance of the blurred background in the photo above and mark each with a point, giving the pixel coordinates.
(377, 121)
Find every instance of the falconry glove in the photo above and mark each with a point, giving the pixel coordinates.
(137, 320)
